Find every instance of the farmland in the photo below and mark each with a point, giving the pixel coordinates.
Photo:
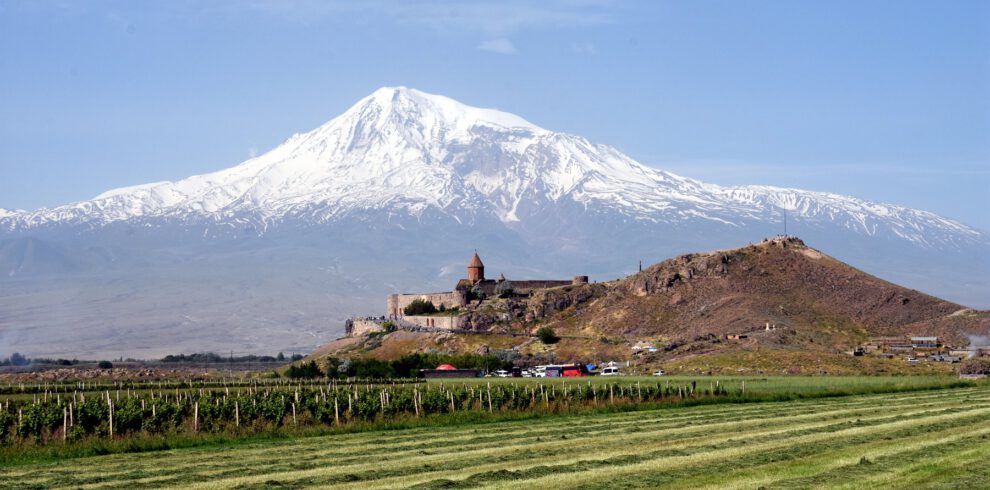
(929, 438)
(101, 415)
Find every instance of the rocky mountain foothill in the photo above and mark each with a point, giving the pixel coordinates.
(777, 305)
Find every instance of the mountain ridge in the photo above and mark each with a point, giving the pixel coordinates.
(279, 250)
(405, 149)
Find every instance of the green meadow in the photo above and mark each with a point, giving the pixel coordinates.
(920, 433)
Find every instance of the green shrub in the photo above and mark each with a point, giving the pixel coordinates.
(105, 365)
(504, 289)
(420, 307)
(305, 370)
(547, 335)
(477, 292)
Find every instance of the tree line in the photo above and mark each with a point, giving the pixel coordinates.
(408, 366)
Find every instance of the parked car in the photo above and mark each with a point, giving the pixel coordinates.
(660, 372)
(610, 371)
(501, 373)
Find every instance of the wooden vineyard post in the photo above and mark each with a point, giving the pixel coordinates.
(744, 387)
(415, 401)
(336, 411)
(110, 404)
(489, 398)
(293, 414)
(237, 414)
(196, 417)
(65, 423)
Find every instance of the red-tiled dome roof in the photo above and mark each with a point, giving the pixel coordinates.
(446, 367)
(476, 261)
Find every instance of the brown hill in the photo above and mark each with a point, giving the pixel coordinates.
(780, 281)
(817, 307)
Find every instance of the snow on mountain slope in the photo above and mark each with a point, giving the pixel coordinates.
(404, 150)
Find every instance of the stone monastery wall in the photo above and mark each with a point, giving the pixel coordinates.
(395, 303)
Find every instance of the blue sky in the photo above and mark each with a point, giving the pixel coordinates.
(882, 100)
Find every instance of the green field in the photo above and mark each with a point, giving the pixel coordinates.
(764, 385)
(938, 438)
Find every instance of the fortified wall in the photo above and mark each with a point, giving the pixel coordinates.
(396, 303)
(442, 322)
(354, 327)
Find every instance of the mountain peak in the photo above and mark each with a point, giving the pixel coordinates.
(416, 108)
(403, 151)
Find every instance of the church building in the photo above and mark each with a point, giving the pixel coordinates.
(468, 289)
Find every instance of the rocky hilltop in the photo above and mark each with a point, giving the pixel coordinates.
(781, 282)
(779, 302)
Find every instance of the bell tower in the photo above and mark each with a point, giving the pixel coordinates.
(476, 269)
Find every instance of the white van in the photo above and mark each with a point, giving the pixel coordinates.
(611, 371)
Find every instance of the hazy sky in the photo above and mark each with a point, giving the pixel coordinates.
(887, 101)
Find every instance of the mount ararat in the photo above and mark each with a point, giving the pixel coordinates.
(394, 194)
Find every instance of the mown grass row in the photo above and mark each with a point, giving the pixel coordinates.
(879, 440)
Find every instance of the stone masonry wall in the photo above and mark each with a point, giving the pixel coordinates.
(357, 327)
(395, 303)
(444, 322)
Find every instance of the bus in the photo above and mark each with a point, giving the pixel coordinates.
(567, 371)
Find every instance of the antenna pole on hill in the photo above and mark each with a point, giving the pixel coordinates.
(785, 222)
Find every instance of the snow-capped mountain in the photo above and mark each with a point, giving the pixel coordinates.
(393, 192)
(404, 149)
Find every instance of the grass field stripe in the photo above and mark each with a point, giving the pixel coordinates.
(529, 433)
(403, 481)
(580, 478)
(777, 475)
(923, 469)
(572, 443)
(592, 464)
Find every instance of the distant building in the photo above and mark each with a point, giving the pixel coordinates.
(465, 288)
(924, 342)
